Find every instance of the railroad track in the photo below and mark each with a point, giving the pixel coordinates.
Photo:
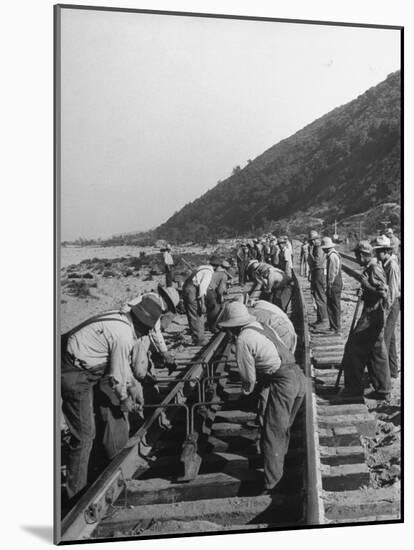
(345, 488)
(204, 473)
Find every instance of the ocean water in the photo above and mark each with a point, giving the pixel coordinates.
(73, 255)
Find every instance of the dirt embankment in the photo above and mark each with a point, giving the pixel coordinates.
(96, 285)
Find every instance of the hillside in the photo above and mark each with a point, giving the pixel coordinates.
(342, 164)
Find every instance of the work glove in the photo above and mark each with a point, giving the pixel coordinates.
(127, 405)
(136, 393)
(169, 357)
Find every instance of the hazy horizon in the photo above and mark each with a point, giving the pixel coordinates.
(156, 109)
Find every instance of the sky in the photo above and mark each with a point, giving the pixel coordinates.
(156, 109)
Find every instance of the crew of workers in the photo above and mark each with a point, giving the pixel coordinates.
(106, 359)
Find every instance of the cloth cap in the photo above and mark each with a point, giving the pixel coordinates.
(252, 263)
(327, 242)
(236, 314)
(215, 260)
(225, 264)
(170, 296)
(381, 242)
(364, 247)
(313, 235)
(147, 312)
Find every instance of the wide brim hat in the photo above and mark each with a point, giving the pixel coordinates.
(313, 234)
(170, 296)
(215, 260)
(235, 314)
(381, 242)
(363, 247)
(327, 243)
(147, 312)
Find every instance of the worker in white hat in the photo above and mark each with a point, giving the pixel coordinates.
(263, 358)
(384, 251)
(333, 285)
(168, 265)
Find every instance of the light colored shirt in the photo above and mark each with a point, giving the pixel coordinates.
(275, 317)
(202, 279)
(168, 259)
(392, 272)
(333, 266)
(107, 343)
(395, 243)
(255, 354)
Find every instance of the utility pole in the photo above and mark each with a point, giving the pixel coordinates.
(335, 236)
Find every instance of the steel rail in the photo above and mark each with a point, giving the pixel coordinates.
(314, 510)
(79, 523)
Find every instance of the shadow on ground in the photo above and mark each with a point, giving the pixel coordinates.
(41, 532)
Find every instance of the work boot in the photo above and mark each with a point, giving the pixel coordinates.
(201, 342)
(321, 326)
(378, 396)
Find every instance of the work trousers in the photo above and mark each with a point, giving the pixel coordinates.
(389, 337)
(304, 266)
(366, 347)
(241, 266)
(286, 390)
(169, 275)
(281, 296)
(77, 387)
(194, 315)
(319, 295)
(333, 304)
(213, 308)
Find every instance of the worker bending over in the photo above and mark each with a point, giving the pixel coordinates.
(110, 349)
(263, 358)
(168, 299)
(194, 291)
(275, 283)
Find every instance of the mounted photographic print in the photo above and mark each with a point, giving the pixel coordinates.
(228, 258)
